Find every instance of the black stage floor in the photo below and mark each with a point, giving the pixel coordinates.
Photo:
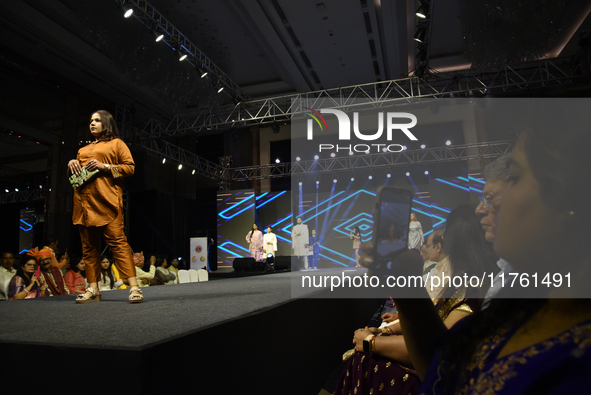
(224, 336)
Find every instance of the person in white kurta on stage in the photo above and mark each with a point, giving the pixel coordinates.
(300, 240)
(270, 242)
(415, 234)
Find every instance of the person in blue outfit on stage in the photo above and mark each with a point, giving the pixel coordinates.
(315, 248)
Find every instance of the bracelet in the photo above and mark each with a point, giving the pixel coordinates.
(372, 345)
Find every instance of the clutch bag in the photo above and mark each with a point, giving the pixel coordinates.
(82, 178)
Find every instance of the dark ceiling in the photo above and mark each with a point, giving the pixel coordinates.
(54, 49)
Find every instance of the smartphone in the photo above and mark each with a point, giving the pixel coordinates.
(391, 219)
(38, 271)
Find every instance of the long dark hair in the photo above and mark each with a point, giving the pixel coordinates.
(107, 272)
(111, 132)
(356, 231)
(465, 245)
(252, 230)
(74, 266)
(19, 268)
(556, 153)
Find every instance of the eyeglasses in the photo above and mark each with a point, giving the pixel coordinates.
(486, 200)
(45, 260)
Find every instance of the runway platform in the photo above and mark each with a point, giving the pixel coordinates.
(224, 336)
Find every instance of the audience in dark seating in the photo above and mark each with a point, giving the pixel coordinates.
(7, 272)
(51, 275)
(166, 276)
(529, 340)
(388, 368)
(108, 279)
(25, 284)
(75, 278)
(144, 277)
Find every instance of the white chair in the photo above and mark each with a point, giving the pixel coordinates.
(203, 275)
(184, 276)
(194, 275)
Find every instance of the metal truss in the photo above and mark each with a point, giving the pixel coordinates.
(23, 196)
(162, 149)
(471, 83)
(152, 19)
(488, 150)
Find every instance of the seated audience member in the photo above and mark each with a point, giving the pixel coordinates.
(7, 272)
(174, 268)
(51, 244)
(64, 263)
(166, 276)
(144, 277)
(24, 284)
(496, 175)
(75, 278)
(51, 274)
(386, 367)
(108, 279)
(428, 264)
(535, 345)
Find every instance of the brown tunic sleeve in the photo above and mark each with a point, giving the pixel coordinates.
(98, 203)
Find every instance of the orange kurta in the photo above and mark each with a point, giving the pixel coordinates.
(98, 203)
(98, 207)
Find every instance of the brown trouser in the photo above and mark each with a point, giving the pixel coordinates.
(115, 237)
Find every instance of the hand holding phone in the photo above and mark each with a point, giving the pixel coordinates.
(391, 220)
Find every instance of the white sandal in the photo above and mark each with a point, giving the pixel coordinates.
(136, 298)
(84, 298)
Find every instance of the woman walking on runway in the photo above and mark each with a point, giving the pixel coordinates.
(98, 205)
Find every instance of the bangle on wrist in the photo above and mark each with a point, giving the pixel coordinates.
(372, 345)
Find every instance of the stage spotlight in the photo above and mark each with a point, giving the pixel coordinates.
(408, 173)
(202, 72)
(448, 142)
(420, 35)
(317, 182)
(384, 149)
(6, 190)
(193, 172)
(388, 175)
(316, 157)
(182, 56)
(423, 10)
(16, 189)
(180, 167)
(40, 186)
(370, 177)
(404, 147)
(423, 146)
(426, 172)
(158, 35)
(163, 160)
(128, 13)
(298, 158)
(277, 160)
(219, 87)
(334, 181)
(300, 183)
(352, 179)
(350, 152)
(332, 154)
